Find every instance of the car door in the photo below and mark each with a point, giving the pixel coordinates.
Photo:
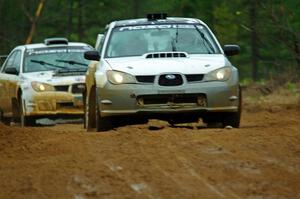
(9, 81)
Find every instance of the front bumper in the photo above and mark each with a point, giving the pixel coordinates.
(208, 97)
(53, 103)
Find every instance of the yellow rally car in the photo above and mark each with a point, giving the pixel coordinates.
(43, 79)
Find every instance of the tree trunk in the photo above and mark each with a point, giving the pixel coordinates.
(254, 39)
(34, 21)
(296, 50)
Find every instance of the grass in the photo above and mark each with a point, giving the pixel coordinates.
(272, 98)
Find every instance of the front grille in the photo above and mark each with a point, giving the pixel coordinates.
(194, 77)
(172, 98)
(62, 88)
(170, 80)
(145, 79)
(78, 88)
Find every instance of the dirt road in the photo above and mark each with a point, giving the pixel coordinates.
(260, 160)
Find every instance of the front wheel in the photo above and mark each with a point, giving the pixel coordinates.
(233, 119)
(93, 120)
(24, 119)
(84, 108)
(89, 111)
(102, 123)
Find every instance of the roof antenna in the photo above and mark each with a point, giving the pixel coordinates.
(156, 16)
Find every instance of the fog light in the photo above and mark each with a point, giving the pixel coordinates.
(140, 101)
(201, 101)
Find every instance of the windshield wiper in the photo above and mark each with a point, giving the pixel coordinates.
(71, 62)
(47, 64)
(206, 41)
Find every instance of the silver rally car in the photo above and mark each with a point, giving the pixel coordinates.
(161, 67)
(44, 79)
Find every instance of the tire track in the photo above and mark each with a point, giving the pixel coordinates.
(188, 166)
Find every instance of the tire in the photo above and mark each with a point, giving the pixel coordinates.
(233, 119)
(1, 116)
(89, 111)
(102, 124)
(4, 120)
(24, 120)
(84, 108)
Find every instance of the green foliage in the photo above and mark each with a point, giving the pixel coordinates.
(225, 20)
(292, 87)
(246, 82)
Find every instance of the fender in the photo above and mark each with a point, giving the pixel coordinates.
(90, 76)
(15, 90)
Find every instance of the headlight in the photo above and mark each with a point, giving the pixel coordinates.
(41, 87)
(221, 74)
(116, 77)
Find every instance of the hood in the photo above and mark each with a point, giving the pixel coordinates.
(50, 78)
(196, 64)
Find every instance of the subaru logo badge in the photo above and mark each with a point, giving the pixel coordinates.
(170, 77)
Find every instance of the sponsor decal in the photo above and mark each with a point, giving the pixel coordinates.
(50, 51)
(164, 26)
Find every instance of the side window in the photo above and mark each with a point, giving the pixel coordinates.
(17, 61)
(10, 61)
(13, 61)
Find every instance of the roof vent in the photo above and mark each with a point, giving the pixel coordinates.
(166, 55)
(156, 16)
(56, 41)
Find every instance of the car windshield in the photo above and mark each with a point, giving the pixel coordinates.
(45, 59)
(138, 40)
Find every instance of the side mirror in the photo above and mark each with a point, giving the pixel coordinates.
(11, 71)
(92, 55)
(231, 50)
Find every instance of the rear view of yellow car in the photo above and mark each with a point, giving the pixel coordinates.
(44, 79)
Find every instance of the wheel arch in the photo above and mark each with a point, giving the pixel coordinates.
(19, 93)
(15, 104)
(90, 77)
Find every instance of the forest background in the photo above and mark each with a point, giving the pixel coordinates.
(268, 31)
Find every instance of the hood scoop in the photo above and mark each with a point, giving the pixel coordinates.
(166, 55)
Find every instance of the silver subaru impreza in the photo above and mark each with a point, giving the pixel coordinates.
(161, 67)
